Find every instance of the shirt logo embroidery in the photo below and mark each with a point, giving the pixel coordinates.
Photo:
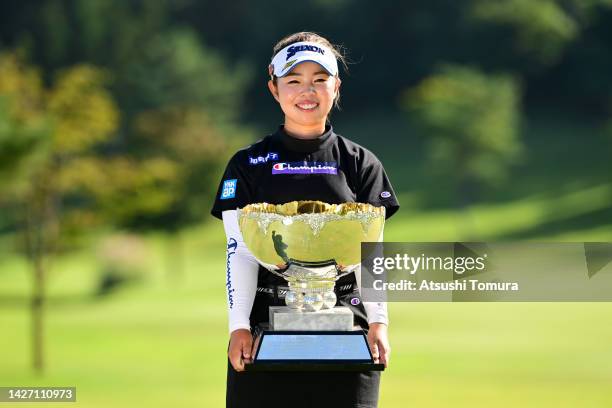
(263, 159)
(229, 189)
(305, 167)
(385, 194)
(232, 244)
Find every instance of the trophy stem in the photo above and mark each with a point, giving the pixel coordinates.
(311, 295)
(311, 284)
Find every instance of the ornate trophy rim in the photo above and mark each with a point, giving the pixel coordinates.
(312, 208)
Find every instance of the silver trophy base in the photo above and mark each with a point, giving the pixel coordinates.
(339, 318)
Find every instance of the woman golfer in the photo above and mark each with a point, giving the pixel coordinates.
(304, 159)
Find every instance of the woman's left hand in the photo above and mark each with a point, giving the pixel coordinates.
(378, 341)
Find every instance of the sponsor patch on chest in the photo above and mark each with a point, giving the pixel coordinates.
(271, 156)
(305, 167)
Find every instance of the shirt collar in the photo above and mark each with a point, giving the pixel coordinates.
(306, 145)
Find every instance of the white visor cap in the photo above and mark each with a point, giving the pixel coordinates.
(290, 56)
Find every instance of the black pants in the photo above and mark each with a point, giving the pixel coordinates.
(303, 389)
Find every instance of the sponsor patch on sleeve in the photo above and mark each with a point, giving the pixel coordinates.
(385, 194)
(229, 189)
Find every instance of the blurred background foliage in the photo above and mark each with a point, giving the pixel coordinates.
(492, 119)
(472, 121)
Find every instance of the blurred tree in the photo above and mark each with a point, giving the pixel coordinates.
(187, 136)
(182, 100)
(160, 69)
(542, 28)
(67, 120)
(51, 173)
(24, 126)
(472, 122)
(24, 146)
(173, 68)
(185, 98)
(545, 42)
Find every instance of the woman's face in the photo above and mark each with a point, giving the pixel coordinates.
(306, 95)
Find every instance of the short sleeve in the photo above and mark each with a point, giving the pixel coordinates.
(374, 185)
(234, 189)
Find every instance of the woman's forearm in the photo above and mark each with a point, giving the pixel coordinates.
(240, 274)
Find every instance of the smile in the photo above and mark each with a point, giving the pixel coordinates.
(307, 106)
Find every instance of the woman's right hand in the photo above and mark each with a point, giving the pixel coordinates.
(240, 347)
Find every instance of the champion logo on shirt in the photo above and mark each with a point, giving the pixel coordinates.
(385, 194)
(305, 167)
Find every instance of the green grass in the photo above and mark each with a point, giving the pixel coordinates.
(161, 342)
(156, 343)
(580, 215)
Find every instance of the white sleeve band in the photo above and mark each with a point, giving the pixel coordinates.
(376, 311)
(240, 275)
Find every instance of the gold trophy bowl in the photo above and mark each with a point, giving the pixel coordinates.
(311, 244)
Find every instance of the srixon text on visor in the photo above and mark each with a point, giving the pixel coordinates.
(291, 51)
